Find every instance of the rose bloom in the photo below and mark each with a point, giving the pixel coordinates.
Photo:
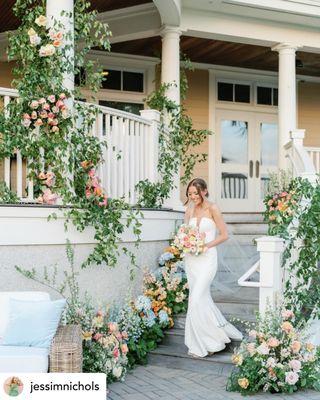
(43, 114)
(112, 327)
(309, 347)
(46, 106)
(26, 123)
(271, 362)
(47, 50)
(124, 348)
(41, 21)
(92, 173)
(42, 175)
(273, 342)
(124, 335)
(97, 336)
(295, 346)
(237, 359)
(57, 43)
(42, 100)
(286, 314)
(251, 347)
(116, 352)
(34, 104)
(34, 115)
(292, 378)
(31, 32)
(263, 349)
(243, 383)
(55, 129)
(52, 98)
(295, 365)
(35, 40)
(38, 122)
(62, 96)
(287, 327)
(49, 197)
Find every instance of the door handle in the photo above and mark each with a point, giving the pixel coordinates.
(257, 169)
(251, 168)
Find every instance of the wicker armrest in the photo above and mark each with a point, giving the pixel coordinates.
(66, 350)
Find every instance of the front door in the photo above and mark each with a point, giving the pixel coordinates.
(246, 152)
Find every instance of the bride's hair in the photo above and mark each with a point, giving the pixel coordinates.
(200, 184)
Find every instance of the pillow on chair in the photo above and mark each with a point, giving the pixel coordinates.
(32, 323)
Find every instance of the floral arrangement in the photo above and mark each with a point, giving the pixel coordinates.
(275, 357)
(189, 240)
(94, 191)
(46, 182)
(48, 112)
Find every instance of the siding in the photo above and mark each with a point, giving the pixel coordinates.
(197, 105)
(308, 112)
(6, 74)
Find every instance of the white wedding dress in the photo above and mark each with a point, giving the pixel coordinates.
(206, 328)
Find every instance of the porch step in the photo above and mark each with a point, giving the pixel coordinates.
(242, 217)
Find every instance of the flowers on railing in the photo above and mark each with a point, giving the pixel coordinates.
(47, 112)
(46, 182)
(275, 357)
(94, 190)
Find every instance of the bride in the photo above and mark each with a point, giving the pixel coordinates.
(206, 331)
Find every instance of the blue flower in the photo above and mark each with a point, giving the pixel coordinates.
(143, 303)
(149, 319)
(163, 317)
(179, 265)
(165, 257)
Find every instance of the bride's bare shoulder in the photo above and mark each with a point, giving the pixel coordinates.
(214, 209)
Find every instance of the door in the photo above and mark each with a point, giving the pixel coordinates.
(246, 150)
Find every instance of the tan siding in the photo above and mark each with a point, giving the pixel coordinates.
(6, 74)
(308, 112)
(196, 103)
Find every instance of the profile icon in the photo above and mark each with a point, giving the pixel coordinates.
(13, 386)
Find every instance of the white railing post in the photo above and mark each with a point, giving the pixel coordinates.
(271, 272)
(152, 143)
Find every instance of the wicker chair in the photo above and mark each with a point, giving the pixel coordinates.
(66, 350)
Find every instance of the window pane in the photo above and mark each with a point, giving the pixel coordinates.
(269, 144)
(275, 97)
(225, 91)
(133, 81)
(112, 80)
(80, 77)
(242, 93)
(264, 180)
(133, 108)
(234, 142)
(264, 95)
(234, 186)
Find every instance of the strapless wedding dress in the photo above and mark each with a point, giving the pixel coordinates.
(206, 328)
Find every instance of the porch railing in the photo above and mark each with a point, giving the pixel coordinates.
(131, 154)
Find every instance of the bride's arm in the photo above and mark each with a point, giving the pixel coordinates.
(187, 215)
(221, 226)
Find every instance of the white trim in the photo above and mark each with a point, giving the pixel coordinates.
(212, 138)
(134, 11)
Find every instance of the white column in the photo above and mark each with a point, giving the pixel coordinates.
(271, 272)
(54, 10)
(287, 104)
(170, 73)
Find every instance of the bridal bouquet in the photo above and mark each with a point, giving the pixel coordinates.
(189, 240)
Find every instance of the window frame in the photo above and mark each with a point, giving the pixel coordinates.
(234, 82)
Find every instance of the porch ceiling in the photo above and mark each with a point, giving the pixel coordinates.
(222, 53)
(9, 22)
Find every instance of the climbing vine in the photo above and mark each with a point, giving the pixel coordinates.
(177, 137)
(294, 214)
(52, 133)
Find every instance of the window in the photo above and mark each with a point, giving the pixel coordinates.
(267, 96)
(133, 108)
(80, 77)
(234, 92)
(123, 80)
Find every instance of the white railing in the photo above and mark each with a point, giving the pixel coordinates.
(131, 154)
(314, 154)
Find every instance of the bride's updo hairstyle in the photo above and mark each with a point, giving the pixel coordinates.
(200, 184)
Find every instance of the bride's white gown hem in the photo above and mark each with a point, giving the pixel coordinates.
(206, 331)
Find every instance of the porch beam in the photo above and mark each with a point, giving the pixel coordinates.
(170, 11)
(287, 103)
(170, 74)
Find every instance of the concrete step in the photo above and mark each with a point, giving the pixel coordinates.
(237, 294)
(176, 357)
(248, 228)
(243, 217)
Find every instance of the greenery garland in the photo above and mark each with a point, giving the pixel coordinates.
(62, 158)
(294, 214)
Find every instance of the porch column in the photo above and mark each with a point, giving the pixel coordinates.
(53, 11)
(170, 73)
(287, 103)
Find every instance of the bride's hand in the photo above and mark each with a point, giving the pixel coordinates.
(205, 249)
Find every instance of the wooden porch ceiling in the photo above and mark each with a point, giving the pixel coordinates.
(9, 22)
(222, 53)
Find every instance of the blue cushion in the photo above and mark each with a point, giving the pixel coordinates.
(32, 323)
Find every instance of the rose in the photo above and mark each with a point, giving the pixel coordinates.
(273, 342)
(55, 129)
(263, 348)
(286, 314)
(41, 21)
(42, 175)
(295, 346)
(237, 359)
(46, 107)
(34, 115)
(124, 335)
(124, 348)
(57, 43)
(35, 40)
(295, 365)
(38, 122)
(287, 327)
(243, 383)
(309, 347)
(26, 123)
(49, 197)
(117, 372)
(47, 50)
(251, 347)
(97, 336)
(116, 352)
(31, 32)
(292, 378)
(52, 98)
(253, 334)
(112, 327)
(271, 362)
(34, 104)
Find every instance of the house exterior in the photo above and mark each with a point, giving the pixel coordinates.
(256, 79)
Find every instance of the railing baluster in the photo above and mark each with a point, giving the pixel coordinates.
(126, 160)
(19, 174)
(132, 163)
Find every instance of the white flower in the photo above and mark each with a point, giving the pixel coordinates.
(35, 40)
(41, 21)
(295, 365)
(108, 365)
(47, 50)
(292, 378)
(32, 32)
(271, 362)
(117, 372)
(263, 349)
(285, 353)
(26, 122)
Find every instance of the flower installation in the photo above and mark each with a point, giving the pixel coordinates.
(276, 357)
(189, 240)
(94, 190)
(46, 182)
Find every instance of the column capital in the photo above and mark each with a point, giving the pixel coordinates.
(286, 47)
(170, 30)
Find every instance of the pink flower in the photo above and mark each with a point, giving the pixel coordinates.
(26, 116)
(42, 100)
(92, 173)
(116, 352)
(26, 123)
(287, 314)
(295, 346)
(34, 115)
(59, 103)
(112, 327)
(97, 336)
(273, 342)
(34, 104)
(57, 43)
(43, 114)
(292, 378)
(295, 365)
(88, 194)
(55, 109)
(124, 348)
(52, 98)
(51, 115)
(38, 122)
(62, 96)
(54, 122)
(46, 106)
(104, 202)
(50, 179)
(124, 335)
(39, 199)
(287, 327)
(55, 129)
(49, 197)
(42, 175)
